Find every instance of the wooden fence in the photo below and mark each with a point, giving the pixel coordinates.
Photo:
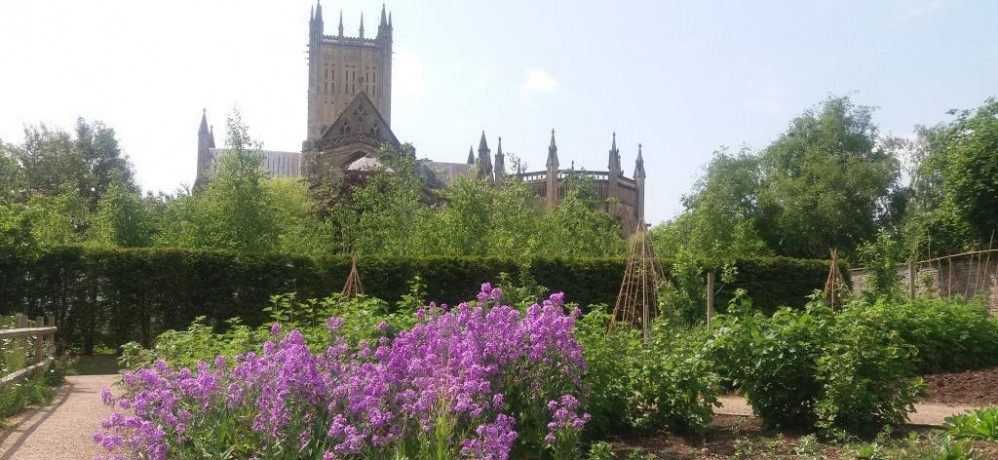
(43, 332)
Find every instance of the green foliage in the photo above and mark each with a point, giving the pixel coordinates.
(772, 360)
(113, 296)
(950, 334)
(937, 447)
(665, 383)
(971, 174)
(866, 375)
(123, 217)
(842, 372)
(601, 450)
(979, 424)
(881, 258)
(362, 319)
(830, 181)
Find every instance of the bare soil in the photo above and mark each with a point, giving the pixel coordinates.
(970, 388)
(742, 437)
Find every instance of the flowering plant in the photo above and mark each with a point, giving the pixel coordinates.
(472, 381)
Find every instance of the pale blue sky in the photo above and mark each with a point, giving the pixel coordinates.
(683, 78)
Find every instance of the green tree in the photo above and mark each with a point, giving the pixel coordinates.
(719, 221)
(384, 213)
(234, 211)
(11, 178)
(830, 181)
(123, 217)
(971, 174)
(574, 228)
(299, 229)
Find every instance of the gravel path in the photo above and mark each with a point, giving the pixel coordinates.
(62, 430)
(929, 414)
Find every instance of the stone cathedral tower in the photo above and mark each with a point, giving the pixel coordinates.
(340, 67)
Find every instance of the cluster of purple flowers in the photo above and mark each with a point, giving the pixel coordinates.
(456, 383)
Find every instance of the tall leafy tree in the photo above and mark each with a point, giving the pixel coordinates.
(123, 217)
(830, 181)
(971, 174)
(11, 178)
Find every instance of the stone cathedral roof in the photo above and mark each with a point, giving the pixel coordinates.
(277, 163)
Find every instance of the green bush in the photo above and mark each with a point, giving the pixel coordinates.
(665, 383)
(773, 360)
(843, 372)
(950, 334)
(865, 372)
(110, 296)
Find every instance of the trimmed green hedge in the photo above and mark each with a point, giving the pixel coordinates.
(111, 296)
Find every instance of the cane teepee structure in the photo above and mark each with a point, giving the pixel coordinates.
(352, 288)
(834, 283)
(637, 301)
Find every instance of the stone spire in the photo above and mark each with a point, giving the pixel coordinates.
(500, 168)
(211, 137)
(205, 142)
(317, 18)
(203, 129)
(341, 23)
(361, 24)
(551, 195)
(639, 181)
(639, 165)
(383, 28)
(471, 155)
(552, 153)
(484, 160)
(614, 164)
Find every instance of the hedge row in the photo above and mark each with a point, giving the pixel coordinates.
(112, 296)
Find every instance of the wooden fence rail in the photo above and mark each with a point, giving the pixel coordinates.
(43, 331)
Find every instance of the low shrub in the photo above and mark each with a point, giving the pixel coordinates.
(665, 383)
(951, 335)
(865, 372)
(843, 372)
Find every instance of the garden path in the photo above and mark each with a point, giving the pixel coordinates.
(62, 430)
(929, 414)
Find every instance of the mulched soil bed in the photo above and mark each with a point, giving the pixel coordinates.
(729, 436)
(741, 437)
(969, 388)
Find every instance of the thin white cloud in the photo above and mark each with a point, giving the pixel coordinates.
(539, 81)
(407, 74)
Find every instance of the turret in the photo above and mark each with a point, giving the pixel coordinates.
(384, 27)
(361, 24)
(500, 169)
(315, 28)
(639, 180)
(341, 23)
(552, 174)
(205, 142)
(484, 160)
(471, 155)
(385, 39)
(614, 169)
(315, 31)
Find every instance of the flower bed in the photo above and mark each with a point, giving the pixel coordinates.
(480, 380)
